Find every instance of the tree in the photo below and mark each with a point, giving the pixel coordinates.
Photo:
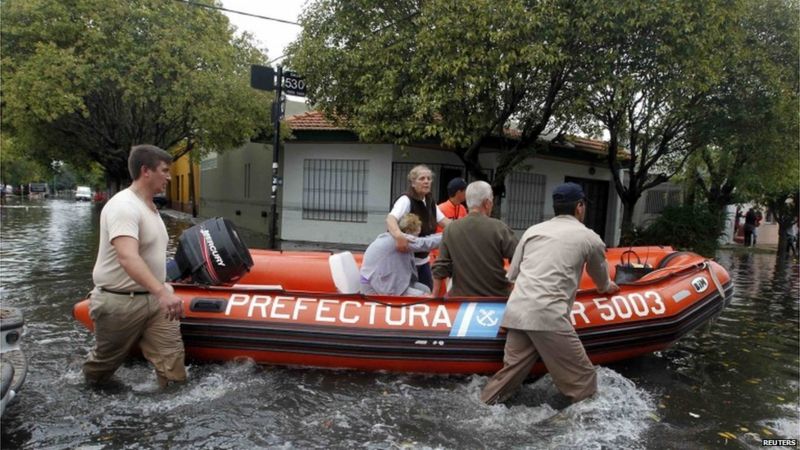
(84, 80)
(459, 73)
(15, 168)
(752, 129)
(752, 125)
(660, 64)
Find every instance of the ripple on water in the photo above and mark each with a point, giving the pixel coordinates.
(739, 372)
(616, 417)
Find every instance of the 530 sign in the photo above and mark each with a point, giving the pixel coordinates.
(293, 84)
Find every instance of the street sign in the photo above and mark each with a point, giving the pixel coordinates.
(262, 78)
(294, 84)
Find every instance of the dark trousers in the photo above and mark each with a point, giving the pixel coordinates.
(791, 245)
(748, 236)
(424, 275)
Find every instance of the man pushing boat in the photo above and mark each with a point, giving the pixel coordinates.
(546, 269)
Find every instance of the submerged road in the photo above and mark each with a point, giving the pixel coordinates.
(729, 385)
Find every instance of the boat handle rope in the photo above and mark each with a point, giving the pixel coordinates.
(713, 274)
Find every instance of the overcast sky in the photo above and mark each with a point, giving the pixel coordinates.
(272, 36)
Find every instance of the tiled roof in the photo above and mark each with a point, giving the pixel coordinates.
(312, 120)
(589, 145)
(594, 146)
(316, 120)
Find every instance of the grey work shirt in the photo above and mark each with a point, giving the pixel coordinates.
(546, 269)
(389, 271)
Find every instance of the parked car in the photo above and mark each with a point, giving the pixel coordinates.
(83, 194)
(160, 200)
(13, 363)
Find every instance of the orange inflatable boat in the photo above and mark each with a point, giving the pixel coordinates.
(300, 308)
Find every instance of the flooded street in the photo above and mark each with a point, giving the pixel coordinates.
(728, 385)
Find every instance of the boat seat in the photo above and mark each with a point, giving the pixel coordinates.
(345, 273)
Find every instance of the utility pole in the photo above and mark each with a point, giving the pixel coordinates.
(276, 143)
(266, 79)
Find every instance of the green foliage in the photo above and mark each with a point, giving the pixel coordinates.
(661, 60)
(456, 72)
(462, 72)
(687, 227)
(751, 123)
(84, 80)
(15, 167)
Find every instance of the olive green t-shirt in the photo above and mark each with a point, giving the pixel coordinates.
(472, 252)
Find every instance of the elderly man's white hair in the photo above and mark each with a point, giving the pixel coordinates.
(477, 192)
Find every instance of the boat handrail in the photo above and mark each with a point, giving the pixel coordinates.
(668, 272)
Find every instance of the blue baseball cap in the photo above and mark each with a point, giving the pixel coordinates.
(455, 185)
(568, 192)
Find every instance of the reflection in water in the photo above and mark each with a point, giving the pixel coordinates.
(738, 375)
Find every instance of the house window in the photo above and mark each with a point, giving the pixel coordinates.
(657, 200)
(525, 199)
(208, 164)
(335, 189)
(247, 180)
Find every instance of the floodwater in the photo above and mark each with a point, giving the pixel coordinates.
(728, 385)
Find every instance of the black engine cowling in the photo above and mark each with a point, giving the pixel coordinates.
(210, 253)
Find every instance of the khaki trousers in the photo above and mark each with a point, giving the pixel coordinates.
(562, 354)
(122, 321)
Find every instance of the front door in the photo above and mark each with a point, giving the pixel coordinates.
(597, 193)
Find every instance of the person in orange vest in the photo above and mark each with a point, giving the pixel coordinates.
(453, 208)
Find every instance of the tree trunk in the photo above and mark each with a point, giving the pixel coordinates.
(498, 188)
(627, 233)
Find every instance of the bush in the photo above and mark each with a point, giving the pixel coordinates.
(685, 227)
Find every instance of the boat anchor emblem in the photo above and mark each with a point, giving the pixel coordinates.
(486, 317)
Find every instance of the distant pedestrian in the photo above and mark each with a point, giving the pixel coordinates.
(131, 304)
(759, 218)
(750, 219)
(792, 238)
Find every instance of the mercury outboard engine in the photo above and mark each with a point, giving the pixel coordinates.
(210, 253)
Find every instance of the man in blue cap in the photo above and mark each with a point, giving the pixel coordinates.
(453, 207)
(546, 269)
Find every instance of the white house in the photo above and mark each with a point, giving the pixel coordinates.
(337, 189)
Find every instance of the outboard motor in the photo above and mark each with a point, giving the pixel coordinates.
(210, 253)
